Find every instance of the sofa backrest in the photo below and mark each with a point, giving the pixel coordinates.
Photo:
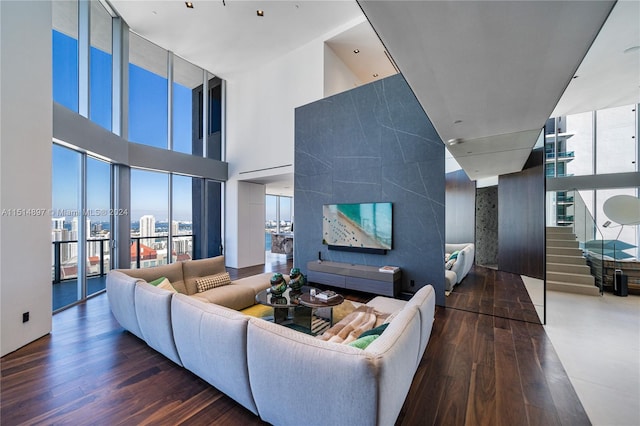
(212, 343)
(172, 272)
(425, 301)
(153, 310)
(121, 293)
(194, 269)
(330, 383)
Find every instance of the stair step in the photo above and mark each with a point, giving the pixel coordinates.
(564, 251)
(560, 229)
(562, 243)
(562, 237)
(567, 260)
(568, 268)
(573, 288)
(569, 278)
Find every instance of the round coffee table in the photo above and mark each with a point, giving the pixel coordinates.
(314, 303)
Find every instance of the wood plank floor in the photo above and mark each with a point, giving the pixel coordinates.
(477, 370)
(492, 292)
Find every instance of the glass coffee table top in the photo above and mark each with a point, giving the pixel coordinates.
(289, 299)
(297, 309)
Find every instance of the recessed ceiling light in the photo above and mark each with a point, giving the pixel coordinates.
(632, 49)
(575, 76)
(469, 152)
(375, 75)
(260, 12)
(457, 122)
(356, 51)
(455, 141)
(189, 4)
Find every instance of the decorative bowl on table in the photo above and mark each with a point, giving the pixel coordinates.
(297, 279)
(278, 285)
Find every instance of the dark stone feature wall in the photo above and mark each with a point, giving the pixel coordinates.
(373, 143)
(487, 226)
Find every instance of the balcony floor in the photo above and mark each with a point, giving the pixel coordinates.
(66, 292)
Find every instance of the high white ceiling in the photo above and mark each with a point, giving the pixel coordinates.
(498, 67)
(488, 74)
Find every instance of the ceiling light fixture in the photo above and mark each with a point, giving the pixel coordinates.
(632, 49)
(455, 141)
(574, 77)
(375, 75)
(356, 51)
(260, 12)
(457, 122)
(188, 4)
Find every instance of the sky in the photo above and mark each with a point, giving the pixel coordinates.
(147, 125)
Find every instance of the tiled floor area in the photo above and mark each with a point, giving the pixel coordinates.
(598, 341)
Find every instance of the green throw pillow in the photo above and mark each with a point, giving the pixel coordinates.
(454, 255)
(378, 330)
(157, 281)
(363, 342)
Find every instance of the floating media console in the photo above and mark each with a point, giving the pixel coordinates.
(354, 277)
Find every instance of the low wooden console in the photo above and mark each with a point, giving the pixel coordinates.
(354, 277)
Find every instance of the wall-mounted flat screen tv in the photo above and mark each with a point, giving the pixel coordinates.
(362, 227)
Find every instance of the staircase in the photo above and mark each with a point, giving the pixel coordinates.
(567, 269)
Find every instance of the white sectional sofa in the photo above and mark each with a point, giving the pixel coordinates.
(284, 376)
(463, 263)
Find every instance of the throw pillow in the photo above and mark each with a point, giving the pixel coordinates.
(450, 264)
(378, 330)
(342, 310)
(157, 281)
(212, 281)
(165, 284)
(363, 342)
(454, 255)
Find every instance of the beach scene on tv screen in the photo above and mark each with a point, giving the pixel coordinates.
(366, 225)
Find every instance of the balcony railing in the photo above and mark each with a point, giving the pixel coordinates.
(148, 251)
(65, 259)
(551, 155)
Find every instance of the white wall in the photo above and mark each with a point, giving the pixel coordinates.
(25, 171)
(337, 76)
(245, 224)
(260, 141)
(260, 109)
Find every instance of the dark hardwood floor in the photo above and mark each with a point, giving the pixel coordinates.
(477, 370)
(492, 292)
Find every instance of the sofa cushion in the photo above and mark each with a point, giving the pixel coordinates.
(172, 271)
(212, 343)
(375, 331)
(121, 294)
(212, 281)
(231, 296)
(364, 341)
(257, 283)
(194, 269)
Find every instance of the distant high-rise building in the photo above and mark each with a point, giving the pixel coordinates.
(147, 226)
(57, 223)
(175, 226)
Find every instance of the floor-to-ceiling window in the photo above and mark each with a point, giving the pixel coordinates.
(98, 213)
(100, 63)
(149, 218)
(66, 208)
(182, 217)
(130, 210)
(148, 92)
(65, 53)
